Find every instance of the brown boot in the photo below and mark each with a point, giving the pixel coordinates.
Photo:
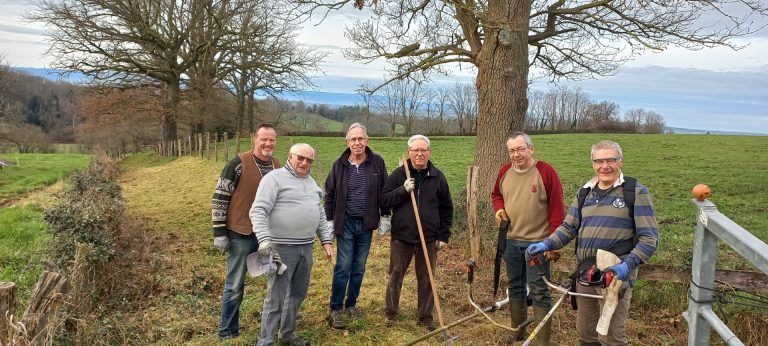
(542, 338)
(519, 312)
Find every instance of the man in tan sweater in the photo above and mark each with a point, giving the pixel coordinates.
(528, 194)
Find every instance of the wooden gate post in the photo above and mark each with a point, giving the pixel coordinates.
(7, 308)
(472, 190)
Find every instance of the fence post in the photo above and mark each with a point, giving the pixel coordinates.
(208, 145)
(226, 147)
(46, 300)
(237, 142)
(472, 189)
(702, 276)
(215, 147)
(7, 307)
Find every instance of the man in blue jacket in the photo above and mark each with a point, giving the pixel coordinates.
(352, 191)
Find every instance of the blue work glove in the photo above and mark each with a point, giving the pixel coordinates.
(535, 248)
(621, 270)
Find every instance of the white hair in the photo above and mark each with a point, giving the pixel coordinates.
(295, 148)
(357, 125)
(605, 145)
(416, 138)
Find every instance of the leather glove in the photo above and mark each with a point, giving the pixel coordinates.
(385, 225)
(409, 184)
(533, 249)
(621, 270)
(501, 215)
(265, 248)
(441, 245)
(221, 243)
(552, 255)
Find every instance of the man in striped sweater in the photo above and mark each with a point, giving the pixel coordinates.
(529, 195)
(232, 229)
(604, 222)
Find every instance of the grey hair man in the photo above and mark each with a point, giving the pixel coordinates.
(435, 208)
(352, 191)
(283, 195)
(232, 228)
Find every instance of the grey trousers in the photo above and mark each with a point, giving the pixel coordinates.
(589, 313)
(285, 293)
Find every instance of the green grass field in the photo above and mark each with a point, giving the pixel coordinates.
(22, 241)
(33, 171)
(172, 197)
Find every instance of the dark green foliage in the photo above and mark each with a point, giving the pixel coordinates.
(89, 213)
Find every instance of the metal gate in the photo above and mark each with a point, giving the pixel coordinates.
(711, 226)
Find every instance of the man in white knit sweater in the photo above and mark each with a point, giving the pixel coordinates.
(286, 215)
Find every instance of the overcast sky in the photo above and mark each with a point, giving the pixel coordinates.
(709, 89)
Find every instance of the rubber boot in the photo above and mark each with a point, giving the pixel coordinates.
(519, 312)
(584, 343)
(542, 338)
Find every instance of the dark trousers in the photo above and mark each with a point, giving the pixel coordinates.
(399, 259)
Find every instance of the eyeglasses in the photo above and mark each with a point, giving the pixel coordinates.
(303, 158)
(357, 139)
(519, 150)
(608, 160)
(419, 151)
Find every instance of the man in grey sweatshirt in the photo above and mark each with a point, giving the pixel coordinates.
(286, 215)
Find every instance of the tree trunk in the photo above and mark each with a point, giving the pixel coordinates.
(502, 80)
(249, 111)
(171, 110)
(7, 308)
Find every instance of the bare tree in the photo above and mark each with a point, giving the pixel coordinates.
(463, 98)
(503, 39)
(653, 123)
(400, 101)
(119, 41)
(265, 56)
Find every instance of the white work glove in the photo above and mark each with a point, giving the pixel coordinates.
(221, 243)
(385, 225)
(265, 248)
(441, 245)
(409, 185)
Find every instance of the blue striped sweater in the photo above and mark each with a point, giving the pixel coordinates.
(605, 222)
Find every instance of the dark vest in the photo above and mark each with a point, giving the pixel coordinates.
(238, 218)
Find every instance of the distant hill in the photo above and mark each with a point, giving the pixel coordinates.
(684, 131)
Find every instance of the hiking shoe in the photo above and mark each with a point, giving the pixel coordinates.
(298, 341)
(354, 312)
(337, 319)
(430, 325)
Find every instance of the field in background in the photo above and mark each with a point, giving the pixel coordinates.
(172, 198)
(33, 171)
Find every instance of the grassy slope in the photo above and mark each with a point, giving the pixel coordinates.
(35, 170)
(174, 198)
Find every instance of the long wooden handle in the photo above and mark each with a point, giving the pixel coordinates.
(424, 248)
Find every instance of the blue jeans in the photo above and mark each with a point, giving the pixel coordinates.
(352, 249)
(238, 251)
(519, 273)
